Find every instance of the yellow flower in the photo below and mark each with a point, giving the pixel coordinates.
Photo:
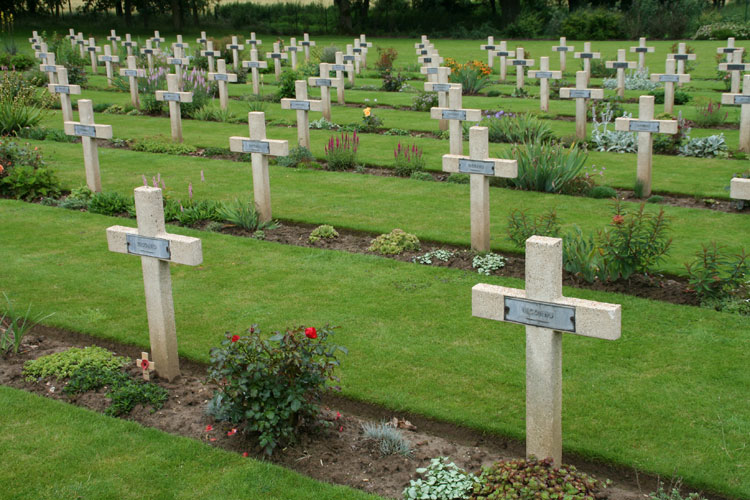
(366, 112)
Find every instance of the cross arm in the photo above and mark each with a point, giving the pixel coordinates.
(253, 42)
(620, 64)
(178, 60)
(281, 55)
(342, 67)
(315, 81)
(572, 93)
(623, 124)
(110, 58)
(585, 55)
(739, 189)
(138, 73)
(182, 249)
(733, 66)
(537, 73)
(591, 319)
(430, 59)
(254, 64)
(275, 147)
(519, 62)
(563, 48)
(439, 87)
(230, 77)
(312, 105)
(84, 130)
(467, 115)
(640, 49)
(666, 77)
(684, 57)
(56, 88)
(165, 95)
(500, 167)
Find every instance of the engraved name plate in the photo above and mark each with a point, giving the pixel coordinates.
(426, 59)
(432, 71)
(323, 82)
(562, 49)
(221, 76)
(147, 51)
(519, 62)
(728, 50)
(130, 72)
(357, 50)
(423, 52)
(91, 49)
(620, 65)
(420, 45)
(105, 58)
(236, 47)
(171, 96)
(502, 53)
(577, 94)
(148, 247)
(489, 47)
(275, 56)
(183, 45)
(680, 57)
(669, 78)
(452, 114)
(305, 44)
(543, 74)
(736, 67)
(84, 130)
(586, 55)
(534, 313)
(62, 89)
(49, 69)
(338, 67)
(252, 64)
(128, 44)
(441, 87)
(203, 40)
(303, 105)
(641, 49)
(348, 58)
(291, 49)
(643, 126)
(476, 167)
(175, 60)
(255, 147)
(742, 99)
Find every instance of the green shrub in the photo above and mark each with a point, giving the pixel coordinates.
(458, 179)
(286, 84)
(324, 232)
(655, 199)
(593, 24)
(441, 481)
(394, 243)
(390, 440)
(22, 62)
(210, 113)
(548, 167)
(386, 57)
(408, 160)
(370, 121)
(45, 134)
(429, 257)
(198, 211)
(28, 182)
(674, 494)
(601, 192)
(14, 325)
(472, 79)
(271, 388)
(64, 364)
(341, 152)
(111, 203)
(507, 127)
(680, 97)
(328, 54)
(522, 226)
(716, 275)
(391, 82)
(78, 199)
(21, 105)
(709, 114)
(421, 176)
(298, 156)
(156, 146)
(243, 215)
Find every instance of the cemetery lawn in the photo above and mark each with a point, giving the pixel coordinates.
(669, 397)
(54, 450)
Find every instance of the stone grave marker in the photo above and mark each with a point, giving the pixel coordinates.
(201, 40)
(157, 249)
(641, 50)
(108, 59)
(92, 49)
(681, 56)
(735, 67)
(130, 45)
(728, 50)
(490, 48)
(544, 74)
(739, 189)
(82, 43)
(64, 90)
(586, 56)
(133, 72)
(235, 47)
(209, 54)
(357, 50)
(89, 132)
(303, 105)
(42, 53)
(260, 149)
(35, 38)
(503, 53)
(354, 58)
(480, 168)
(365, 46)
(581, 94)
(49, 67)
(223, 78)
(431, 60)
(645, 125)
(184, 46)
(292, 50)
(455, 115)
(113, 39)
(174, 97)
(252, 41)
(149, 52)
(157, 40)
(72, 37)
(145, 365)
(253, 64)
(563, 49)
(306, 44)
(340, 67)
(325, 82)
(277, 56)
(442, 86)
(547, 314)
(520, 63)
(669, 78)
(742, 100)
(178, 60)
(621, 64)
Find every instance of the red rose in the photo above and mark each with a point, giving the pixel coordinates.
(235, 338)
(311, 333)
(209, 428)
(618, 219)
(245, 454)
(144, 364)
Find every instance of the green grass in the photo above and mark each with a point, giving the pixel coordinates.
(53, 450)
(669, 397)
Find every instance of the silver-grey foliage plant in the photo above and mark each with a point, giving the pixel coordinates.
(442, 481)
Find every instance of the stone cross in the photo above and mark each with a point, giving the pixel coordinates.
(359, 52)
(253, 64)
(253, 41)
(64, 90)
(35, 38)
(364, 45)
(669, 78)
(306, 44)
(503, 54)
(180, 44)
(157, 249)
(210, 53)
(223, 78)
(340, 67)
(354, 58)
(149, 52)
(489, 47)
(681, 56)
(292, 49)
(431, 60)
(563, 49)
(107, 58)
(235, 47)
(178, 60)
(455, 114)
(277, 56)
(735, 67)
(641, 50)
(130, 44)
(581, 94)
(82, 42)
(89, 132)
(325, 82)
(113, 39)
(519, 62)
(547, 314)
(621, 64)
(72, 37)
(202, 40)
(729, 49)
(587, 55)
(480, 168)
(174, 97)
(544, 75)
(742, 100)
(42, 54)
(260, 149)
(303, 105)
(49, 67)
(93, 49)
(739, 189)
(645, 125)
(145, 365)
(442, 87)
(157, 39)
(133, 72)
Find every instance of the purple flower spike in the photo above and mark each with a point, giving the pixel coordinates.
(153, 179)
(203, 178)
(145, 181)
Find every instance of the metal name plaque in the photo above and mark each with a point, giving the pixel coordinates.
(489, 47)
(148, 247)
(736, 67)
(61, 89)
(519, 62)
(255, 147)
(420, 45)
(432, 71)
(578, 94)
(639, 126)
(201, 40)
(291, 49)
(441, 87)
(236, 47)
(476, 167)
(680, 57)
(543, 74)
(502, 53)
(364, 44)
(91, 49)
(562, 49)
(323, 82)
(348, 58)
(128, 44)
(84, 130)
(729, 50)
(130, 72)
(255, 42)
(641, 49)
(357, 50)
(252, 64)
(183, 45)
(338, 67)
(669, 78)
(275, 56)
(221, 76)
(542, 314)
(105, 58)
(424, 52)
(171, 96)
(176, 61)
(301, 105)
(49, 69)
(586, 55)
(305, 44)
(214, 53)
(620, 65)
(742, 99)
(450, 114)
(426, 59)
(147, 51)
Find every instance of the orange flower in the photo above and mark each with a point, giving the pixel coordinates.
(1, 169)
(618, 219)
(366, 112)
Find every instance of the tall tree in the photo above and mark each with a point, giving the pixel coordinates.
(345, 15)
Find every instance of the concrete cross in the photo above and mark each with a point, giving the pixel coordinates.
(621, 64)
(43, 53)
(425, 49)
(92, 50)
(340, 67)
(544, 74)
(669, 78)
(519, 62)
(113, 39)
(641, 50)
(325, 82)
(157, 249)
(253, 64)
(359, 52)
(149, 52)
(303, 105)
(480, 168)
(72, 37)
(354, 58)
(277, 56)
(130, 44)
(431, 60)
(455, 115)
(581, 94)
(547, 314)
(681, 56)
(107, 58)
(210, 53)
(64, 90)
(174, 97)
(292, 50)
(742, 100)
(503, 53)
(735, 67)
(442, 86)
(645, 125)
(89, 132)
(157, 39)
(35, 38)
(489, 47)
(223, 78)
(563, 49)
(307, 43)
(145, 365)
(729, 49)
(260, 149)
(49, 67)
(82, 43)
(364, 45)
(235, 47)
(253, 41)
(180, 44)
(178, 60)
(133, 72)
(739, 189)
(424, 40)
(201, 40)
(587, 55)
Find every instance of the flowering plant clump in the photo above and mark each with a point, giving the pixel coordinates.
(408, 160)
(271, 387)
(194, 81)
(341, 151)
(370, 121)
